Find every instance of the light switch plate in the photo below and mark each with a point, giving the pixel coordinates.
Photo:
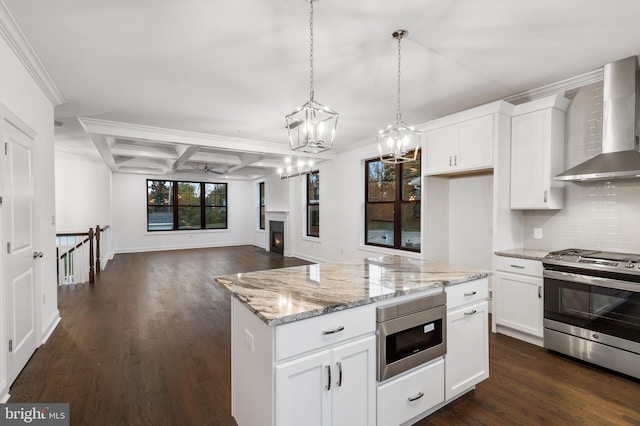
(537, 233)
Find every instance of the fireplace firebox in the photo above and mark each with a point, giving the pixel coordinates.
(276, 230)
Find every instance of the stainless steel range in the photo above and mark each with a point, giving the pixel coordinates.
(592, 307)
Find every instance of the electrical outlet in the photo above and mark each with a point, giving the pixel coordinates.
(537, 233)
(249, 340)
(44, 298)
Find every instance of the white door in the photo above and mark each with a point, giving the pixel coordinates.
(303, 391)
(18, 217)
(354, 383)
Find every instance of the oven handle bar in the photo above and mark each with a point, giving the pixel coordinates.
(590, 280)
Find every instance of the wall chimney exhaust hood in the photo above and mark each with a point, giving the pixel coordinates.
(620, 156)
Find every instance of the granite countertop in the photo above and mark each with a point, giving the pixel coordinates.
(279, 296)
(523, 253)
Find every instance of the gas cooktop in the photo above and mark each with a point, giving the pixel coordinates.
(597, 260)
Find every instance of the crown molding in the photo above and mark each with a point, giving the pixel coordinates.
(13, 35)
(559, 87)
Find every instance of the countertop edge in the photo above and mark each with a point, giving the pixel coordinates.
(343, 306)
(531, 254)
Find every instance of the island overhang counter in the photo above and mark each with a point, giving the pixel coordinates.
(303, 341)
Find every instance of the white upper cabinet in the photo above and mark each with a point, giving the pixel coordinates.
(460, 147)
(537, 153)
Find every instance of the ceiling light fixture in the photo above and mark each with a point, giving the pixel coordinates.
(312, 126)
(398, 143)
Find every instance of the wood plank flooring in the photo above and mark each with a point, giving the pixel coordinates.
(149, 344)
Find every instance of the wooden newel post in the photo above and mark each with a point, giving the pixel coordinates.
(91, 264)
(98, 249)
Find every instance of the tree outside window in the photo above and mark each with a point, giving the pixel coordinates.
(262, 205)
(392, 213)
(175, 205)
(313, 204)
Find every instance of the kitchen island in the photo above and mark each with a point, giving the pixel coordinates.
(304, 341)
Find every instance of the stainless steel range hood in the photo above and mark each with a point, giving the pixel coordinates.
(620, 156)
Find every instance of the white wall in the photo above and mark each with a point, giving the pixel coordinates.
(20, 94)
(341, 209)
(129, 217)
(596, 215)
(83, 192)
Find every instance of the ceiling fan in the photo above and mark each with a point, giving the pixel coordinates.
(208, 169)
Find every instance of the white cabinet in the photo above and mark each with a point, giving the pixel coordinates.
(409, 396)
(331, 387)
(518, 298)
(467, 358)
(537, 153)
(460, 147)
(316, 371)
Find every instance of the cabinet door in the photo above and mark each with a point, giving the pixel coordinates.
(519, 302)
(303, 391)
(441, 146)
(475, 144)
(354, 383)
(529, 165)
(467, 358)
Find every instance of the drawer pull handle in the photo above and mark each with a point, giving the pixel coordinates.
(472, 293)
(328, 387)
(333, 331)
(339, 374)
(473, 312)
(539, 292)
(417, 397)
(517, 266)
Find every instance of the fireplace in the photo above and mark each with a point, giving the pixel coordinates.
(276, 242)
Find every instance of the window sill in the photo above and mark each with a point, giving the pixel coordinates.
(261, 231)
(383, 250)
(187, 232)
(312, 239)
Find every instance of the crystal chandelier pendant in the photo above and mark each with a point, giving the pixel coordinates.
(312, 126)
(398, 142)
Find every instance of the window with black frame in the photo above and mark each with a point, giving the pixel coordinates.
(393, 211)
(261, 203)
(175, 206)
(313, 204)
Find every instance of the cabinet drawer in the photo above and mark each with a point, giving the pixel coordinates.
(314, 333)
(519, 266)
(400, 399)
(469, 292)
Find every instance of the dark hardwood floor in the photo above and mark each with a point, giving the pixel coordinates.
(149, 344)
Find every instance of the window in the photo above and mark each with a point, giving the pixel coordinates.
(261, 204)
(313, 204)
(175, 205)
(392, 213)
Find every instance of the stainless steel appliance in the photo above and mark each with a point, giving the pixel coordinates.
(410, 333)
(592, 307)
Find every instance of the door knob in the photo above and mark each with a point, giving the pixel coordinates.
(37, 254)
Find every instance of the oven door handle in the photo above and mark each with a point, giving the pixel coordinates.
(591, 280)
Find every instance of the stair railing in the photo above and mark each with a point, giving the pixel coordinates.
(78, 255)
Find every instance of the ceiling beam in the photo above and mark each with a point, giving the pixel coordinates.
(182, 158)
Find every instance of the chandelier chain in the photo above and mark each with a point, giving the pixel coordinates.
(311, 49)
(398, 113)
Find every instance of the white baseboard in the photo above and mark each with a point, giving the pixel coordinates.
(52, 323)
(3, 388)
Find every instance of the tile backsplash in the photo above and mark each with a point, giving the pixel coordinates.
(596, 215)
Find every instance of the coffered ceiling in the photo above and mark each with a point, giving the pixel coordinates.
(165, 86)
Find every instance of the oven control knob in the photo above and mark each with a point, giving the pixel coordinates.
(629, 264)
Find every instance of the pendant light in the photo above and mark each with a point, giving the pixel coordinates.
(398, 142)
(312, 126)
